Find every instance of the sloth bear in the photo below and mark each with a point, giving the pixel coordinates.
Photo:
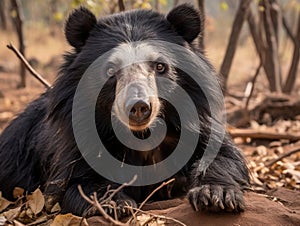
(40, 148)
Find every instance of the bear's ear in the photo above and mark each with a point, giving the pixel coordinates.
(78, 27)
(186, 21)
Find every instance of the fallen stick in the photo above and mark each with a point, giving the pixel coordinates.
(293, 151)
(155, 190)
(94, 201)
(245, 133)
(28, 66)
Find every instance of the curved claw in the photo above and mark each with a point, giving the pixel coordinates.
(216, 198)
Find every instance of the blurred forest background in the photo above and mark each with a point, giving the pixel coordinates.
(254, 45)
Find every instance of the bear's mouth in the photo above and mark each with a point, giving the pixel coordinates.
(134, 126)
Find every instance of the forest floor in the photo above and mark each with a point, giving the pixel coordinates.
(275, 199)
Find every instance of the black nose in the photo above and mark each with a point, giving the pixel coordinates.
(139, 112)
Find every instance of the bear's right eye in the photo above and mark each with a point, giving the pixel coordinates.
(160, 68)
(110, 72)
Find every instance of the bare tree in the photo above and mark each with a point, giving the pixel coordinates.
(156, 5)
(175, 3)
(3, 15)
(18, 19)
(53, 6)
(275, 14)
(270, 47)
(291, 79)
(240, 16)
(265, 31)
(121, 5)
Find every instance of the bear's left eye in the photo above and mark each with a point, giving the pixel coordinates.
(110, 72)
(160, 68)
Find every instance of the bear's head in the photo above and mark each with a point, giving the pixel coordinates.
(133, 64)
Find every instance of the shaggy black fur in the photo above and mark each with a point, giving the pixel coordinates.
(38, 147)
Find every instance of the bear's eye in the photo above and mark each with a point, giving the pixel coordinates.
(160, 68)
(110, 72)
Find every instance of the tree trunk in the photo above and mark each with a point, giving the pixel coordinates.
(156, 5)
(275, 17)
(233, 40)
(271, 60)
(18, 21)
(291, 79)
(175, 3)
(253, 26)
(3, 15)
(53, 5)
(121, 5)
(201, 5)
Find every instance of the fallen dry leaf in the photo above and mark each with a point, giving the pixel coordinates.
(12, 213)
(294, 173)
(56, 208)
(18, 192)
(68, 220)
(4, 203)
(36, 201)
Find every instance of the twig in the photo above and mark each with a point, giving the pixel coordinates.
(234, 101)
(95, 203)
(158, 216)
(28, 66)
(119, 189)
(283, 156)
(155, 190)
(252, 87)
(273, 198)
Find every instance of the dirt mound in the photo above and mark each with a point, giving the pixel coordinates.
(280, 207)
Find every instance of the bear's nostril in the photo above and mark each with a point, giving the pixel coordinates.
(140, 112)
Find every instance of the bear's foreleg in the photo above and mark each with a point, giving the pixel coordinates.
(221, 186)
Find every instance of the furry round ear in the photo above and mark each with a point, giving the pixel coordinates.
(78, 26)
(186, 21)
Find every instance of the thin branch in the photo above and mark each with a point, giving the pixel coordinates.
(252, 87)
(95, 203)
(93, 200)
(155, 190)
(28, 66)
(283, 156)
(119, 189)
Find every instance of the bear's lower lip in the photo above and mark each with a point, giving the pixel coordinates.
(138, 126)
